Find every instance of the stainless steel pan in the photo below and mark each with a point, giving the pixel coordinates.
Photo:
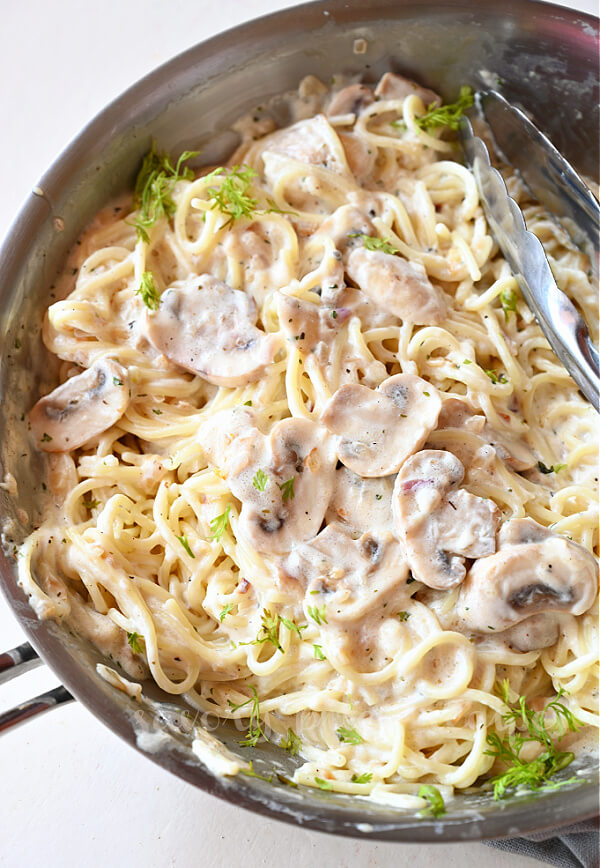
(540, 56)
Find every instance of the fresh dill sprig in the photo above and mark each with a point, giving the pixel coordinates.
(446, 115)
(183, 540)
(436, 807)
(148, 291)
(291, 742)
(508, 301)
(136, 642)
(318, 652)
(495, 377)
(370, 242)
(287, 489)
(534, 774)
(218, 524)
(225, 611)
(349, 735)
(323, 785)
(232, 196)
(363, 778)
(250, 773)
(154, 187)
(318, 615)
(255, 730)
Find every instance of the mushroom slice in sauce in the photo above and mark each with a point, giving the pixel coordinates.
(361, 504)
(83, 407)
(312, 141)
(379, 429)
(457, 414)
(206, 327)
(438, 523)
(350, 100)
(392, 86)
(546, 574)
(305, 323)
(399, 286)
(345, 577)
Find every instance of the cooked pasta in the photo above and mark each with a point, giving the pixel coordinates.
(322, 450)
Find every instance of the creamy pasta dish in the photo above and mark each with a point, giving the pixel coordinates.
(313, 465)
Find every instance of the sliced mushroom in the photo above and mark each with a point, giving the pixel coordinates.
(206, 327)
(516, 454)
(307, 324)
(284, 479)
(392, 86)
(547, 574)
(379, 429)
(438, 523)
(345, 577)
(535, 632)
(361, 504)
(397, 285)
(350, 100)
(83, 407)
(349, 301)
(312, 141)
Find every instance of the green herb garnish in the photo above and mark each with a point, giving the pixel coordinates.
(186, 545)
(536, 773)
(404, 616)
(554, 468)
(90, 504)
(372, 243)
(219, 524)
(154, 186)
(117, 382)
(349, 735)
(323, 785)
(260, 480)
(291, 742)
(287, 489)
(436, 803)
(363, 778)
(318, 652)
(508, 300)
(446, 115)
(494, 377)
(318, 615)
(250, 773)
(136, 642)
(225, 611)
(254, 728)
(232, 197)
(148, 291)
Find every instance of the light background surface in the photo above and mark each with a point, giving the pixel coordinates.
(71, 793)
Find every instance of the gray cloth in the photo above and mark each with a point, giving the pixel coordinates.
(568, 847)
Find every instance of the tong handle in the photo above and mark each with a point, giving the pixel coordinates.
(15, 662)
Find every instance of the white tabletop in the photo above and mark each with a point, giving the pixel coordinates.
(72, 793)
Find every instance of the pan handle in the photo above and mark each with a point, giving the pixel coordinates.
(14, 663)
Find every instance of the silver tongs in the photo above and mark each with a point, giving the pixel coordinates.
(558, 187)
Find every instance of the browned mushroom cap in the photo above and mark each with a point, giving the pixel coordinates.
(350, 100)
(399, 286)
(392, 86)
(547, 574)
(512, 450)
(206, 327)
(438, 523)
(379, 429)
(347, 576)
(83, 407)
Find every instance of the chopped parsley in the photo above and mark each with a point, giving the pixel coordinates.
(446, 115)
(148, 291)
(363, 778)
(291, 742)
(218, 524)
(536, 773)
(154, 185)
(403, 616)
(232, 196)
(46, 438)
(494, 377)
(90, 504)
(554, 468)
(436, 805)
(287, 489)
(225, 611)
(117, 382)
(136, 642)
(260, 480)
(255, 730)
(186, 545)
(348, 735)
